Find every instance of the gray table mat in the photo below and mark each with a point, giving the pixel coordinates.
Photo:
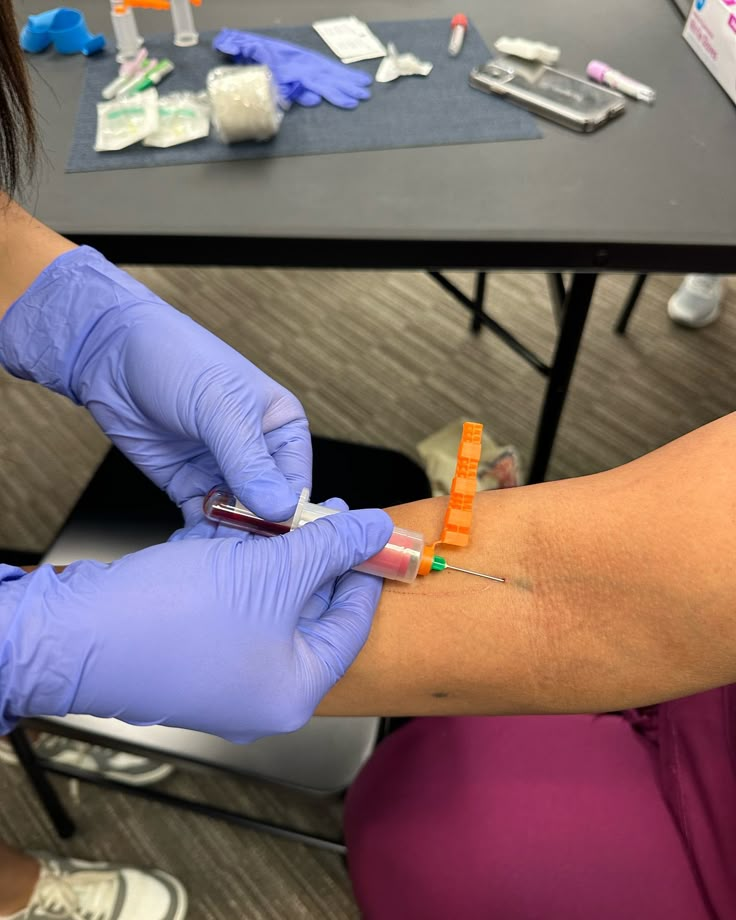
(410, 112)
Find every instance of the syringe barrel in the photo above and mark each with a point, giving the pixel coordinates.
(127, 37)
(399, 559)
(185, 35)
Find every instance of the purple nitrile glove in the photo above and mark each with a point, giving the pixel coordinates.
(302, 75)
(240, 637)
(186, 408)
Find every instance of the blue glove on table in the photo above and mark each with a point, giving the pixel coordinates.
(302, 75)
(186, 408)
(240, 637)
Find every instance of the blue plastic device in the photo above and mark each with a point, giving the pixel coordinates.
(63, 26)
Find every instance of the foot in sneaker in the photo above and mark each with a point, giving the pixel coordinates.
(697, 302)
(126, 768)
(69, 889)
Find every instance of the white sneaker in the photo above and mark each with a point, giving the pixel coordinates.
(70, 889)
(126, 768)
(697, 301)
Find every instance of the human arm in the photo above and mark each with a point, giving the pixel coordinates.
(181, 404)
(621, 592)
(238, 636)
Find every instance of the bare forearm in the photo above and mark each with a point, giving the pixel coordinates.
(26, 248)
(620, 592)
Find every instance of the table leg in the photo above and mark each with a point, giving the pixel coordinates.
(556, 285)
(628, 308)
(577, 303)
(478, 298)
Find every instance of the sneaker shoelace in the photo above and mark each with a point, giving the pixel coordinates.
(78, 895)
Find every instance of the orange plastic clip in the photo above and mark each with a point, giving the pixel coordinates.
(147, 4)
(151, 4)
(459, 514)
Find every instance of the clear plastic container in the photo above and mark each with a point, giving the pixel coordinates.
(127, 36)
(185, 35)
(399, 560)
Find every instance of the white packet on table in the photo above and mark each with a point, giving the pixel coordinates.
(182, 117)
(126, 121)
(349, 38)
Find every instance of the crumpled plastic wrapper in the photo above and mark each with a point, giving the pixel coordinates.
(396, 65)
(498, 468)
(245, 103)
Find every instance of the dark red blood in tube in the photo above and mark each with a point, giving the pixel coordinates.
(245, 522)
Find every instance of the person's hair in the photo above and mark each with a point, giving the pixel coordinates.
(17, 129)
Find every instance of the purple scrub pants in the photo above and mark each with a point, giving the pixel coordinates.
(616, 817)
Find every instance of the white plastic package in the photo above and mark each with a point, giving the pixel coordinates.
(529, 50)
(245, 103)
(126, 121)
(396, 65)
(182, 117)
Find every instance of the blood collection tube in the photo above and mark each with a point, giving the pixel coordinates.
(602, 73)
(458, 28)
(403, 558)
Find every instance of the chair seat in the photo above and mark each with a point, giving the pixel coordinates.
(323, 757)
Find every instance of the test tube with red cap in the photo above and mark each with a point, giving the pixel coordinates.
(403, 558)
(458, 28)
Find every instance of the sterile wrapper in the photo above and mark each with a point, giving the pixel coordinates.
(182, 117)
(126, 121)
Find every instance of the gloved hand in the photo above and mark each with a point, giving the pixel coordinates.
(186, 408)
(302, 75)
(240, 637)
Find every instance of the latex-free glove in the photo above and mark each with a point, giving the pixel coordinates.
(302, 75)
(186, 408)
(241, 637)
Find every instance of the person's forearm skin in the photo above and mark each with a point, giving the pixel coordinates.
(621, 592)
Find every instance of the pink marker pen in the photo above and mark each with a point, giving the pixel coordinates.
(602, 73)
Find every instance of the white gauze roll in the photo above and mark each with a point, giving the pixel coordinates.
(244, 102)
